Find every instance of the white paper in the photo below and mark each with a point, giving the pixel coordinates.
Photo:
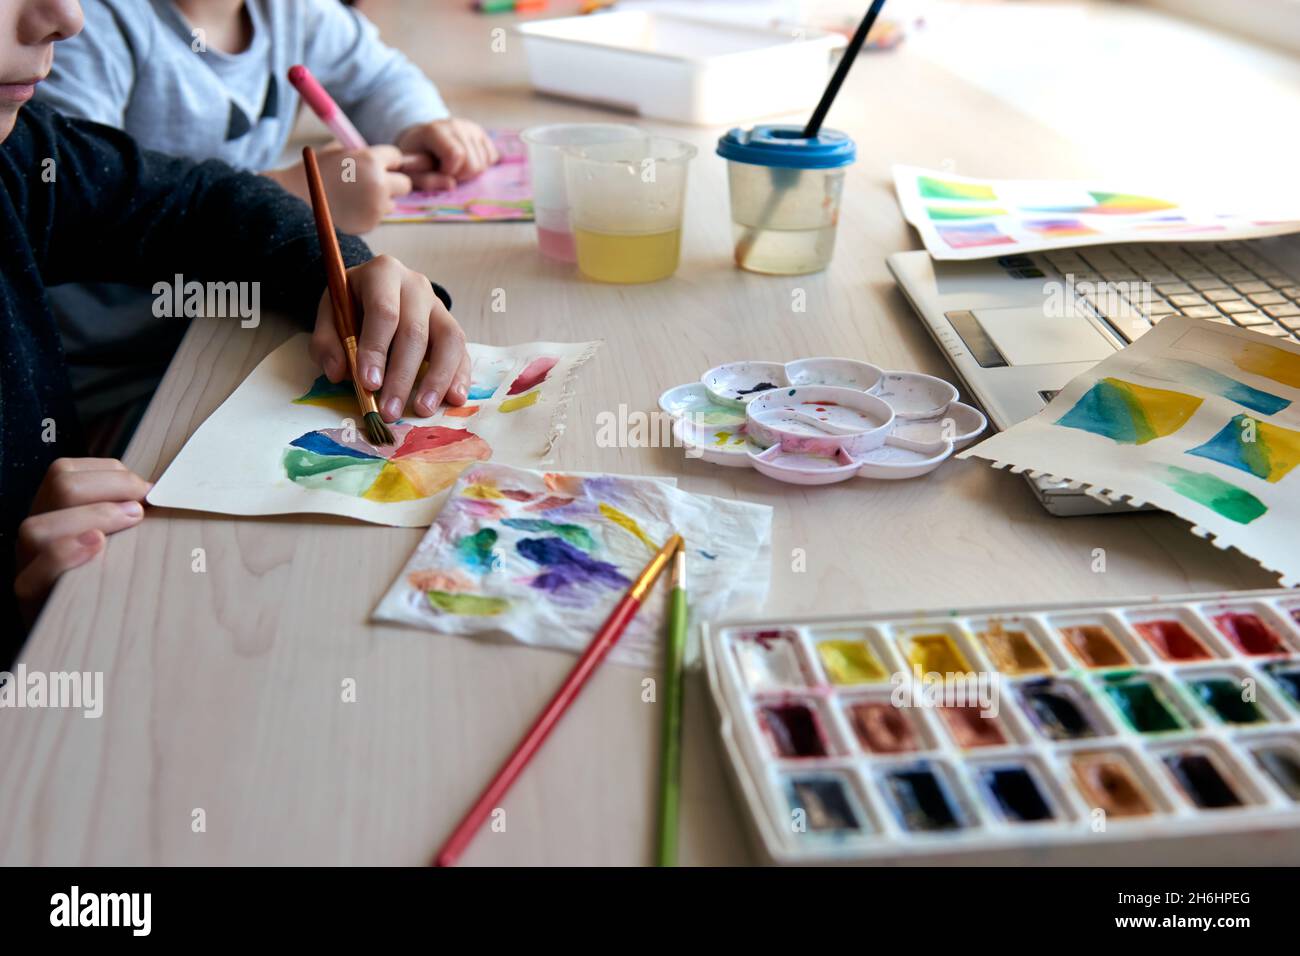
(240, 460)
(964, 217)
(543, 558)
(1197, 418)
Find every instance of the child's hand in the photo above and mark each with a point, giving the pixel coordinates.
(361, 192)
(402, 323)
(80, 501)
(462, 149)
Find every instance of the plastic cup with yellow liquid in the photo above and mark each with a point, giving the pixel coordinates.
(626, 201)
(546, 145)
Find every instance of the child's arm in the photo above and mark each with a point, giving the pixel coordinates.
(388, 98)
(115, 212)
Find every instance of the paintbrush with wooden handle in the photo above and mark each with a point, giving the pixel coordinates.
(345, 322)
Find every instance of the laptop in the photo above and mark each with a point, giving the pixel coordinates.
(1018, 328)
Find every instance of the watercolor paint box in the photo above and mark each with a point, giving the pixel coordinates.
(1157, 731)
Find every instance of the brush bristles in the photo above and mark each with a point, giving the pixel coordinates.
(377, 431)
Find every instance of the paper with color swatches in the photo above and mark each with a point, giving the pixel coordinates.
(1196, 418)
(542, 558)
(963, 217)
(289, 441)
(502, 193)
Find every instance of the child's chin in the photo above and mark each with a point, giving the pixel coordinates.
(8, 117)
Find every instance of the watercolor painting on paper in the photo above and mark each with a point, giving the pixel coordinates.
(287, 441)
(1196, 418)
(502, 193)
(542, 558)
(964, 217)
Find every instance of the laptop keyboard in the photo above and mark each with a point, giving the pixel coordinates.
(1132, 287)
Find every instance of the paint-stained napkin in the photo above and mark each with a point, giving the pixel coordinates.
(542, 558)
(1197, 418)
(289, 441)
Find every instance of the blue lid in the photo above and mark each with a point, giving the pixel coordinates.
(785, 146)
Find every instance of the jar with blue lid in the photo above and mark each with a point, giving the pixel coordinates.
(785, 196)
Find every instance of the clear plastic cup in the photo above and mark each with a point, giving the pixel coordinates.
(785, 196)
(546, 146)
(625, 202)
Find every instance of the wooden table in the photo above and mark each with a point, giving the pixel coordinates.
(224, 687)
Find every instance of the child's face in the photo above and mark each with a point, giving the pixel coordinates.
(28, 32)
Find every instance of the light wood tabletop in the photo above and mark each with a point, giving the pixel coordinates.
(224, 688)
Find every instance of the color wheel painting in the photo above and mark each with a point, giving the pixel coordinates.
(503, 192)
(425, 460)
(964, 217)
(289, 441)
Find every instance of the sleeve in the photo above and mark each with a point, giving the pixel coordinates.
(114, 212)
(380, 89)
(93, 74)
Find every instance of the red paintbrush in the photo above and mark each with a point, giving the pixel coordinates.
(605, 638)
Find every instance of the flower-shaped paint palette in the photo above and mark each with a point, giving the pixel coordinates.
(820, 421)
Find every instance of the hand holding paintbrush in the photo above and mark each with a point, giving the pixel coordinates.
(341, 299)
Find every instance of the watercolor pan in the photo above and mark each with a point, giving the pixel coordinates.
(1014, 647)
(795, 728)
(850, 661)
(1249, 629)
(935, 650)
(1060, 709)
(881, 728)
(1177, 636)
(771, 660)
(923, 798)
(1098, 641)
(1017, 792)
(1286, 674)
(1142, 731)
(824, 804)
(970, 728)
(1230, 697)
(1203, 780)
(1280, 761)
(1143, 701)
(1110, 782)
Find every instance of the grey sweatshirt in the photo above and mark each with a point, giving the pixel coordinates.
(139, 66)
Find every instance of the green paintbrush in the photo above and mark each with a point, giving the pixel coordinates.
(670, 752)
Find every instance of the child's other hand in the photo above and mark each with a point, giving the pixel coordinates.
(402, 323)
(80, 501)
(360, 183)
(462, 149)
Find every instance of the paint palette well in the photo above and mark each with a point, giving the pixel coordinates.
(1006, 735)
(821, 420)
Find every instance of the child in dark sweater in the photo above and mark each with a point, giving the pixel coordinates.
(82, 202)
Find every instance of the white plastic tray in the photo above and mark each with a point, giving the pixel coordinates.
(678, 68)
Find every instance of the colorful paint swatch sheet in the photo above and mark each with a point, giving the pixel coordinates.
(961, 217)
(1199, 419)
(542, 558)
(503, 192)
(288, 440)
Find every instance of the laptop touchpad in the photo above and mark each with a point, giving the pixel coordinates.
(1025, 336)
